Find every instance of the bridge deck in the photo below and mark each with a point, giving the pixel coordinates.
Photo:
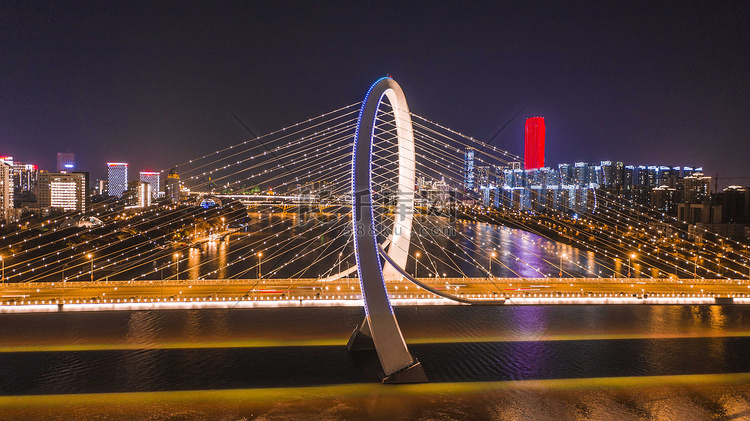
(495, 290)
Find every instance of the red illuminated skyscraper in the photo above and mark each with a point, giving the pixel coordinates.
(534, 156)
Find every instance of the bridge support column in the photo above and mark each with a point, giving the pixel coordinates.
(380, 326)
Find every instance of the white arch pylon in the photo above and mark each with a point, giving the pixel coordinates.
(380, 328)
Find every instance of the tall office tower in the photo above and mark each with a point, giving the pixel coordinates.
(103, 187)
(697, 188)
(608, 173)
(566, 173)
(66, 161)
(664, 175)
(144, 193)
(534, 151)
(619, 174)
(582, 173)
(151, 178)
(596, 174)
(628, 176)
(735, 204)
(469, 168)
(483, 176)
(25, 177)
(117, 178)
(65, 191)
(6, 189)
(138, 194)
(172, 187)
(652, 176)
(85, 189)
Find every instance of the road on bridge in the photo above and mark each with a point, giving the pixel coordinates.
(482, 289)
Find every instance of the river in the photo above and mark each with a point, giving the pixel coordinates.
(543, 362)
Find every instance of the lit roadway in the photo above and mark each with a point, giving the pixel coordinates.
(345, 291)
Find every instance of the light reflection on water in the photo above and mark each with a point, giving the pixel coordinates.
(484, 363)
(519, 253)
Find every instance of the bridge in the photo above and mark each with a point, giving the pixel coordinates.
(247, 293)
(398, 206)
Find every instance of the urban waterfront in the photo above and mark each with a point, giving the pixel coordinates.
(543, 362)
(517, 252)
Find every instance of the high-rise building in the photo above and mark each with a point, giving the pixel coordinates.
(582, 173)
(697, 187)
(469, 169)
(628, 176)
(735, 204)
(66, 161)
(566, 173)
(687, 171)
(66, 191)
(6, 189)
(608, 173)
(151, 178)
(664, 199)
(25, 177)
(102, 187)
(117, 178)
(483, 176)
(172, 188)
(534, 135)
(640, 176)
(596, 174)
(138, 194)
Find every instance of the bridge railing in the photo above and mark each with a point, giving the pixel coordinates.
(440, 282)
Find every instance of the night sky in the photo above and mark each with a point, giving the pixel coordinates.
(153, 83)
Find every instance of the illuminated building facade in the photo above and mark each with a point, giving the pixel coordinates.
(25, 177)
(173, 186)
(117, 178)
(138, 194)
(6, 190)
(63, 191)
(469, 169)
(697, 187)
(151, 178)
(534, 150)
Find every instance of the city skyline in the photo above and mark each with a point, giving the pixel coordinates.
(652, 85)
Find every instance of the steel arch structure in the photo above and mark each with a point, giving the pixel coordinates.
(380, 328)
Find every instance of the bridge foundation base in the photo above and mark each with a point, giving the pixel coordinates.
(361, 339)
(412, 374)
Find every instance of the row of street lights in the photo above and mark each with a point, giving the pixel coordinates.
(178, 256)
(493, 254)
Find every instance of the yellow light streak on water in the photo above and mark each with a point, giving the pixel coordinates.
(357, 391)
(338, 341)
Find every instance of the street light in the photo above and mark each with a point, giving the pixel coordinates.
(3, 272)
(416, 264)
(560, 266)
(718, 265)
(632, 256)
(489, 270)
(695, 270)
(90, 257)
(62, 274)
(177, 275)
(260, 260)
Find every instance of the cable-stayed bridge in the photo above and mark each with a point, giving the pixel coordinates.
(369, 203)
